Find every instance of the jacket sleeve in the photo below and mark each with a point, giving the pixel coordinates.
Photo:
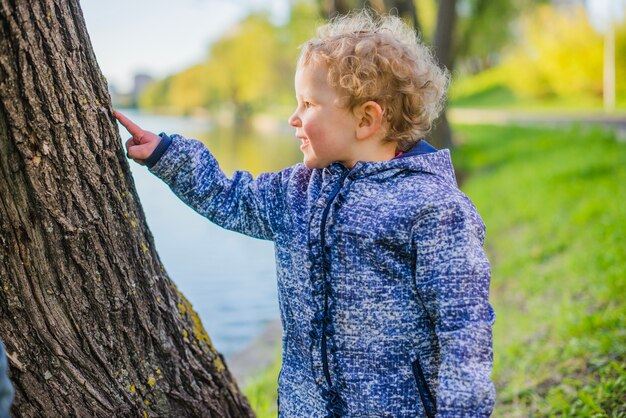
(241, 203)
(452, 276)
(6, 389)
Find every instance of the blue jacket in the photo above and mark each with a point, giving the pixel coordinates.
(382, 280)
(6, 389)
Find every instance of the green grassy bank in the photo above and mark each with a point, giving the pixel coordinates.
(554, 202)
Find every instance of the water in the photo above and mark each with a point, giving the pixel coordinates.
(229, 278)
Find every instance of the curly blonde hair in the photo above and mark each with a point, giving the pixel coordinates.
(379, 58)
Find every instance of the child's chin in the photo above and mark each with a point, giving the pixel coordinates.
(311, 164)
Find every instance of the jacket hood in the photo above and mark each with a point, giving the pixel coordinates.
(422, 158)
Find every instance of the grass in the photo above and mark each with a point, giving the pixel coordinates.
(554, 202)
(262, 393)
(486, 89)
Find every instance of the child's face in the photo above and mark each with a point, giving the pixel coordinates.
(326, 129)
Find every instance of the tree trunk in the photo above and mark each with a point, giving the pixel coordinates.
(91, 322)
(405, 9)
(441, 135)
(332, 8)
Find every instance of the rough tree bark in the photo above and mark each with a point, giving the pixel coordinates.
(91, 322)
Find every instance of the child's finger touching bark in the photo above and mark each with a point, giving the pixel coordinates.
(142, 143)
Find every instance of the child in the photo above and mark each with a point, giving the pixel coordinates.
(383, 282)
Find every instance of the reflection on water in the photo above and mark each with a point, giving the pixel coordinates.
(229, 278)
(251, 151)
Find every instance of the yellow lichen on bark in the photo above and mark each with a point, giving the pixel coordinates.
(219, 364)
(185, 308)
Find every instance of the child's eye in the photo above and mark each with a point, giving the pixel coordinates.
(306, 104)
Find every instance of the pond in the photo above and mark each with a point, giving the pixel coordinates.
(229, 278)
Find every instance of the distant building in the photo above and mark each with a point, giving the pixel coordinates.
(140, 82)
(113, 91)
(561, 4)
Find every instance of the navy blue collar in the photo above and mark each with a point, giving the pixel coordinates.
(422, 147)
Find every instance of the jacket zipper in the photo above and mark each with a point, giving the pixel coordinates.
(329, 201)
(430, 406)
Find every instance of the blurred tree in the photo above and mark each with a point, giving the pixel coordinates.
(301, 25)
(155, 96)
(187, 91)
(245, 69)
(444, 36)
(559, 54)
(331, 8)
(484, 28)
(92, 324)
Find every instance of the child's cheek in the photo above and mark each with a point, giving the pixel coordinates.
(313, 130)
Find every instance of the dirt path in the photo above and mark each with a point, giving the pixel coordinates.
(617, 121)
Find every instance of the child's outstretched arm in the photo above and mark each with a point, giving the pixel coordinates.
(242, 204)
(453, 275)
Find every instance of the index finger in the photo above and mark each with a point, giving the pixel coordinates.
(130, 126)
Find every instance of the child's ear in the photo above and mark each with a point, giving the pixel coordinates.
(369, 117)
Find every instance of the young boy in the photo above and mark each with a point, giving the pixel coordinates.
(383, 282)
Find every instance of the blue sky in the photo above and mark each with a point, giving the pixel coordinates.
(161, 37)
(600, 12)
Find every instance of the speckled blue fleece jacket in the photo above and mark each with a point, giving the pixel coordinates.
(6, 388)
(383, 284)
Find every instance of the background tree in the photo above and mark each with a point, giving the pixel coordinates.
(443, 46)
(565, 60)
(556, 61)
(244, 61)
(91, 322)
(248, 70)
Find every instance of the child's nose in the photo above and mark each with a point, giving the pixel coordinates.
(294, 120)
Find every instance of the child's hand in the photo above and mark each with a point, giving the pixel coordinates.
(142, 143)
